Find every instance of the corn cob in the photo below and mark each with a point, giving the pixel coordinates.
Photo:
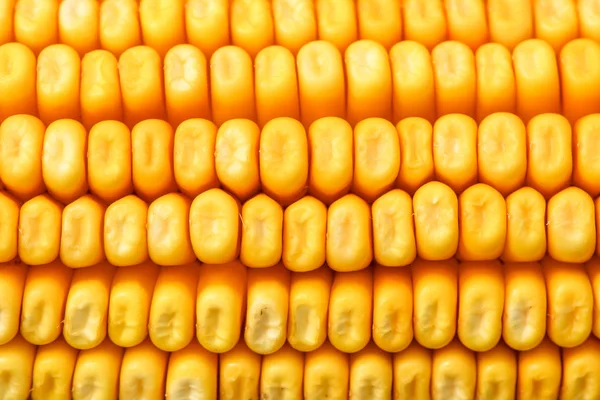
(407, 80)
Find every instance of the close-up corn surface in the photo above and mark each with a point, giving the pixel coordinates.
(300, 199)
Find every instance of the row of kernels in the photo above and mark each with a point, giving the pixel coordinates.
(285, 160)
(254, 24)
(56, 370)
(435, 224)
(432, 302)
(366, 81)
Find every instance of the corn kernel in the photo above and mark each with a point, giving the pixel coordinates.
(262, 232)
(416, 154)
(539, 372)
(129, 303)
(53, 371)
(125, 239)
(351, 310)
(192, 374)
(525, 306)
(453, 372)
(276, 94)
(481, 304)
(220, 305)
(44, 301)
(143, 372)
(304, 235)
(97, 372)
(16, 368)
(86, 310)
(331, 160)
(371, 374)
(186, 82)
(368, 82)
(239, 373)
(81, 242)
(168, 230)
(267, 309)
(392, 308)
(215, 227)
(309, 303)
(435, 288)
(109, 161)
(12, 284)
(173, 309)
(231, 71)
(321, 83)
(496, 373)
(412, 373)
(281, 374)
(326, 374)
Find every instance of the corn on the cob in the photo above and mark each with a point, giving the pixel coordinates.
(414, 83)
